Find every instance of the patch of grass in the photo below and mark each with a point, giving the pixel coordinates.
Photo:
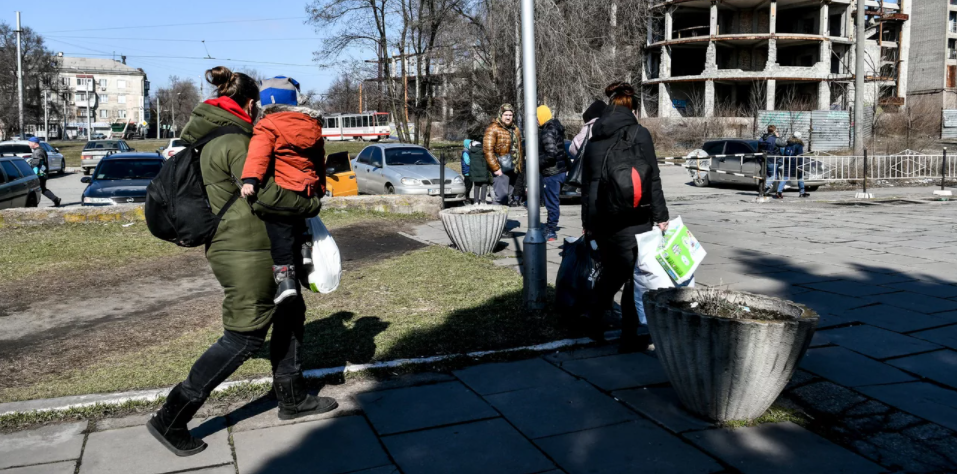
(338, 218)
(29, 251)
(428, 302)
(775, 414)
(72, 149)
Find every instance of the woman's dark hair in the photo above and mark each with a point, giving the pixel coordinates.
(622, 94)
(235, 85)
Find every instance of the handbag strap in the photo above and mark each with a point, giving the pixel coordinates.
(581, 151)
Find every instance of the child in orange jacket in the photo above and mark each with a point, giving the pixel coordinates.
(285, 166)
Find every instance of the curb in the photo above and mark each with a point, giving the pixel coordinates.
(119, 398)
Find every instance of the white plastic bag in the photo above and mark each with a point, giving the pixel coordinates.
(649, 274)
(326, 269)
(680, 253)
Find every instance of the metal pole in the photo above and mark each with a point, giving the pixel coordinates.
(442, 159)
(20, 77)
(534, 243)
(159, 127)
(865, 171)
(173, 112)
(46, 118)
(859, 73)
(89, 108)
(943, 169)
(764, 176)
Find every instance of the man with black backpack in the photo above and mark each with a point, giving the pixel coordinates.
(621, 198)
(40, 164)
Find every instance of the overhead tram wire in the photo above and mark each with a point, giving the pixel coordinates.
(173, 40)
(258, 20)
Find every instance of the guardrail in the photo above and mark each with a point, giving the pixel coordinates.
(905, 166)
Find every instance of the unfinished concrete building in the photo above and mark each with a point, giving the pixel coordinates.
(933, 54)
(735, 57)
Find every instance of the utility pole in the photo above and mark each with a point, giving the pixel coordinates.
(46, 118)
(173, 111)
(360, 96)
(859, 43)
(20, 75)
(90, 89)
(159, 125)
(534, 243)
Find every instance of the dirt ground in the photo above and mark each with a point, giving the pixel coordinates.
(86, 317)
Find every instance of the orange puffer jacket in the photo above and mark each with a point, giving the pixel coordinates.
(292, 136)
(497, 142)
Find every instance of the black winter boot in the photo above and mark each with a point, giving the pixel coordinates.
(168, 425)
(295, 401)
(285, 276)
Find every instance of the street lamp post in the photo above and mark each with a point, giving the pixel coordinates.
(534, 248)
(173, 108)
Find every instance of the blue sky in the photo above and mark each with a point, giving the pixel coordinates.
(152, 34)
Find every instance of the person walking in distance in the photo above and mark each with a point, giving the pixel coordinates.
(502, 147)
(40, 164)
(239, 255)
(552, 166)
(793, 166)
(618, 136)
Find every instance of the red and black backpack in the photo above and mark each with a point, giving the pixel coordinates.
(625, 177)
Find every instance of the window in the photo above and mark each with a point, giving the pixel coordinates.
(13, 173)
(713, 148)
(338, 163)
(409, 156)
(64, 81)
(25, 169)
(123, 146)
(83, 81)
(735, 148)
(103, 83)
(383, 119)
(104, 98)
(377, 157)
(365, 120)
(102, 145)
(46, 147)
(365, 156)
(104, 113)
(8, 150)
(128, 169)
(121, 84)
(79, 96)
(121, 99)
(121, 114)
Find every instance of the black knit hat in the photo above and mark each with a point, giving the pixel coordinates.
(594, 111)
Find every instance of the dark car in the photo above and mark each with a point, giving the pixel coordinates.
(121, 179)
(19, 185)
(735, 159)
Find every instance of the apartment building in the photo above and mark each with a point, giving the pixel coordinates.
(734, 57)
(106, 92)
(933, 53)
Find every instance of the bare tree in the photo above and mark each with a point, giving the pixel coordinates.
(177, 101)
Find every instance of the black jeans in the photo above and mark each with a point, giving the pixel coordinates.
(234, 348)
(46, 192)
(618, 259)
(285, 238)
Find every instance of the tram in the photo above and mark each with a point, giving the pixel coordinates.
(373, 126)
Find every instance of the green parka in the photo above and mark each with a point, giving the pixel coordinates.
(239, 252)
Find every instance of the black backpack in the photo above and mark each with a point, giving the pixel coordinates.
(177, 208)
(625, 177)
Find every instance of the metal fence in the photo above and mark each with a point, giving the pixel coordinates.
(948, 126)
(824, 130)
(822, 168)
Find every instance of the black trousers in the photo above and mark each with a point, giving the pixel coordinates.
(46, 192)
(234, 348)
(285, 238)
(468, 186)
(619, 254)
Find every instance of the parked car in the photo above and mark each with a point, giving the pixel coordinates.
(340, 178)
(55, 161)
(94, 150)
(397, 168)
(736, 156)
(98, 136)
(174, 146)
(121, 179)
(19, 185)
(25, 136)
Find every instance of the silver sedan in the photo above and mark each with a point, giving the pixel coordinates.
(395, 168)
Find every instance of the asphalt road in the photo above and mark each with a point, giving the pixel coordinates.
(67, 187)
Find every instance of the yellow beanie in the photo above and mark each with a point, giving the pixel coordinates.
(544, 114)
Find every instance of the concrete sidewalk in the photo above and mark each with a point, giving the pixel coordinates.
(878, 385)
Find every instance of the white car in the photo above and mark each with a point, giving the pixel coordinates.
(55, 161)
(173, 147)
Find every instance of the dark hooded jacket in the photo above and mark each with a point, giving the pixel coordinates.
(620, 122)
(552, 151)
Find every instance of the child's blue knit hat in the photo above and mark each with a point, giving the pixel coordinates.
(279, 90)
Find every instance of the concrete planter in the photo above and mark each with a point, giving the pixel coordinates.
(728, 368)
(475, 229)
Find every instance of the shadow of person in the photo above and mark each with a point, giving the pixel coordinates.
(327, 342)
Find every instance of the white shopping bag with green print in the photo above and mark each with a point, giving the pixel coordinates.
(680, 252)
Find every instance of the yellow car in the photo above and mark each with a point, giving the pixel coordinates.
(340, 178)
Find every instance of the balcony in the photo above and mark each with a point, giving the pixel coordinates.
(952, 54)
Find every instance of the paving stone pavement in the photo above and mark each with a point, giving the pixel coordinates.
(878, 384)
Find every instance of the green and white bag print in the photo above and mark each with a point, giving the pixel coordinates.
(680, 252)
